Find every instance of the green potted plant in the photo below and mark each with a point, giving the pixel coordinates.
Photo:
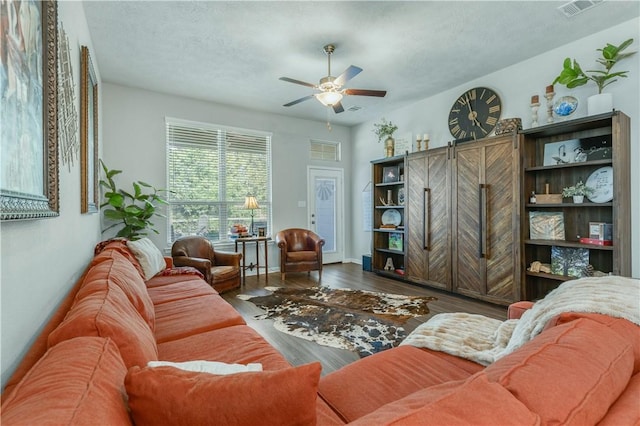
(133, 211)
(385, 130)
(572, 75)
(577, 191)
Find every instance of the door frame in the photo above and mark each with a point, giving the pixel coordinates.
(340, 214)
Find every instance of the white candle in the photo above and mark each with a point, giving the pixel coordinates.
(426, 137)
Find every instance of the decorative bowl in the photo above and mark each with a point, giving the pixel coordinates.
(565, 106)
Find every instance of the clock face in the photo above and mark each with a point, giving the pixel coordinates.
(475, 114)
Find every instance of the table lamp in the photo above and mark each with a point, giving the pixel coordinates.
(251, 203)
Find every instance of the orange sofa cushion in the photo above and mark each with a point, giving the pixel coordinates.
(106, 312)
(239, 344)
(626, 409)
(186, 317)
(179, 290)
(364, 386)
(79, 381)
(569, 374)
(166, 395)
(473, 402)
(625, 328)
(115, 269)
(104, 248)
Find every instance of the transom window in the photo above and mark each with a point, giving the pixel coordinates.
(210, 171)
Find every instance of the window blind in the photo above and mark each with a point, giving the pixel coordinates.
(210, 171)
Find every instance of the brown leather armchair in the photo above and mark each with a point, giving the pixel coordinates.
(221, 269)
(300, 250)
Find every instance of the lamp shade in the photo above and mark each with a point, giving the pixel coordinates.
(329, 98)
(251, 203)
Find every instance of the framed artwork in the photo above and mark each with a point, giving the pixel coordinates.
(29, 131)
(390, 174)
(396, 241)
(88, 134)
(546, 225)
(572, 262)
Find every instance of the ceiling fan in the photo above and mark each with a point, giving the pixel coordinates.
(331, 88)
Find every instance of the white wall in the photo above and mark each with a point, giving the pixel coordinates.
(134, 135)
(42, 259)
(515, 85)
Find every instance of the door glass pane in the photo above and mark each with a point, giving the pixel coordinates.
(325, 197)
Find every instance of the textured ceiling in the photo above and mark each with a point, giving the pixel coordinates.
(233, 52)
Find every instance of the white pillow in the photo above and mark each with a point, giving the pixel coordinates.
(212, 367)
(149, 256)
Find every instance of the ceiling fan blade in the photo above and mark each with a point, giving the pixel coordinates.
(292, 80)
(365, 92)
(297, 101)
(347, 75)
(337, 108)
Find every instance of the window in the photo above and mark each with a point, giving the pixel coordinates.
(323, 150)
(210, 171)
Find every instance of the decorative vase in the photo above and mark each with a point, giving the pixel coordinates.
(600, 103)
(578, 199)
(389, 145)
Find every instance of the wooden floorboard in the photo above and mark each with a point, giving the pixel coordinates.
(349, 275)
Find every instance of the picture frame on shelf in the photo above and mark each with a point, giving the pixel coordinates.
(29, 185)
(546, 225)
(396, 241)
(562, 152)
(390, 174)
(571, 262)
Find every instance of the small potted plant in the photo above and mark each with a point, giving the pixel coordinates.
(577, 191)
(386, 129)
(573, 76)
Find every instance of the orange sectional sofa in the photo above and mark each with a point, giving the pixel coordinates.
(89, 366)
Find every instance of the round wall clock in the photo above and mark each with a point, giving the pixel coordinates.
(475, 113)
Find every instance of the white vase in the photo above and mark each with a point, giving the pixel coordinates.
(599, 104)
(578, 199)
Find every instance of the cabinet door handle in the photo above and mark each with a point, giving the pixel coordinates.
(481, 220)
(426, 207)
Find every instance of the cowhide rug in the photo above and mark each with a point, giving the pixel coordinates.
(361, 321)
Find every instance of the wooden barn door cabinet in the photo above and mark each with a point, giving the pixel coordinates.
(462, 219)
(429, 218)
(485, 224)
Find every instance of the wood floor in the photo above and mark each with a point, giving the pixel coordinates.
(349, 275)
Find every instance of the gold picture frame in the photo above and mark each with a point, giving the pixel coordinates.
(88, 134)
(29, 158)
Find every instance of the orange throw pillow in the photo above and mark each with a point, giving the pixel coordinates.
(167, 395)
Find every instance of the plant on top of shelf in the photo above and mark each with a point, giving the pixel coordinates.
(573, 76)
(132, 211)
(384, 129)
(579, 189)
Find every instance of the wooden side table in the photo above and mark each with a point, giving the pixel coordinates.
(257, 240)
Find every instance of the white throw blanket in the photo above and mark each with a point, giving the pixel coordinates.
(485, 340)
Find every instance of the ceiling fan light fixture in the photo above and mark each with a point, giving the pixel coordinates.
(329, 98)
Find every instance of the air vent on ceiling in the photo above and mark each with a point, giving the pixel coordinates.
(575, 7)
(354, 108)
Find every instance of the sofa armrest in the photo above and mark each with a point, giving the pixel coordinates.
(228, 258)
(516, 310)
